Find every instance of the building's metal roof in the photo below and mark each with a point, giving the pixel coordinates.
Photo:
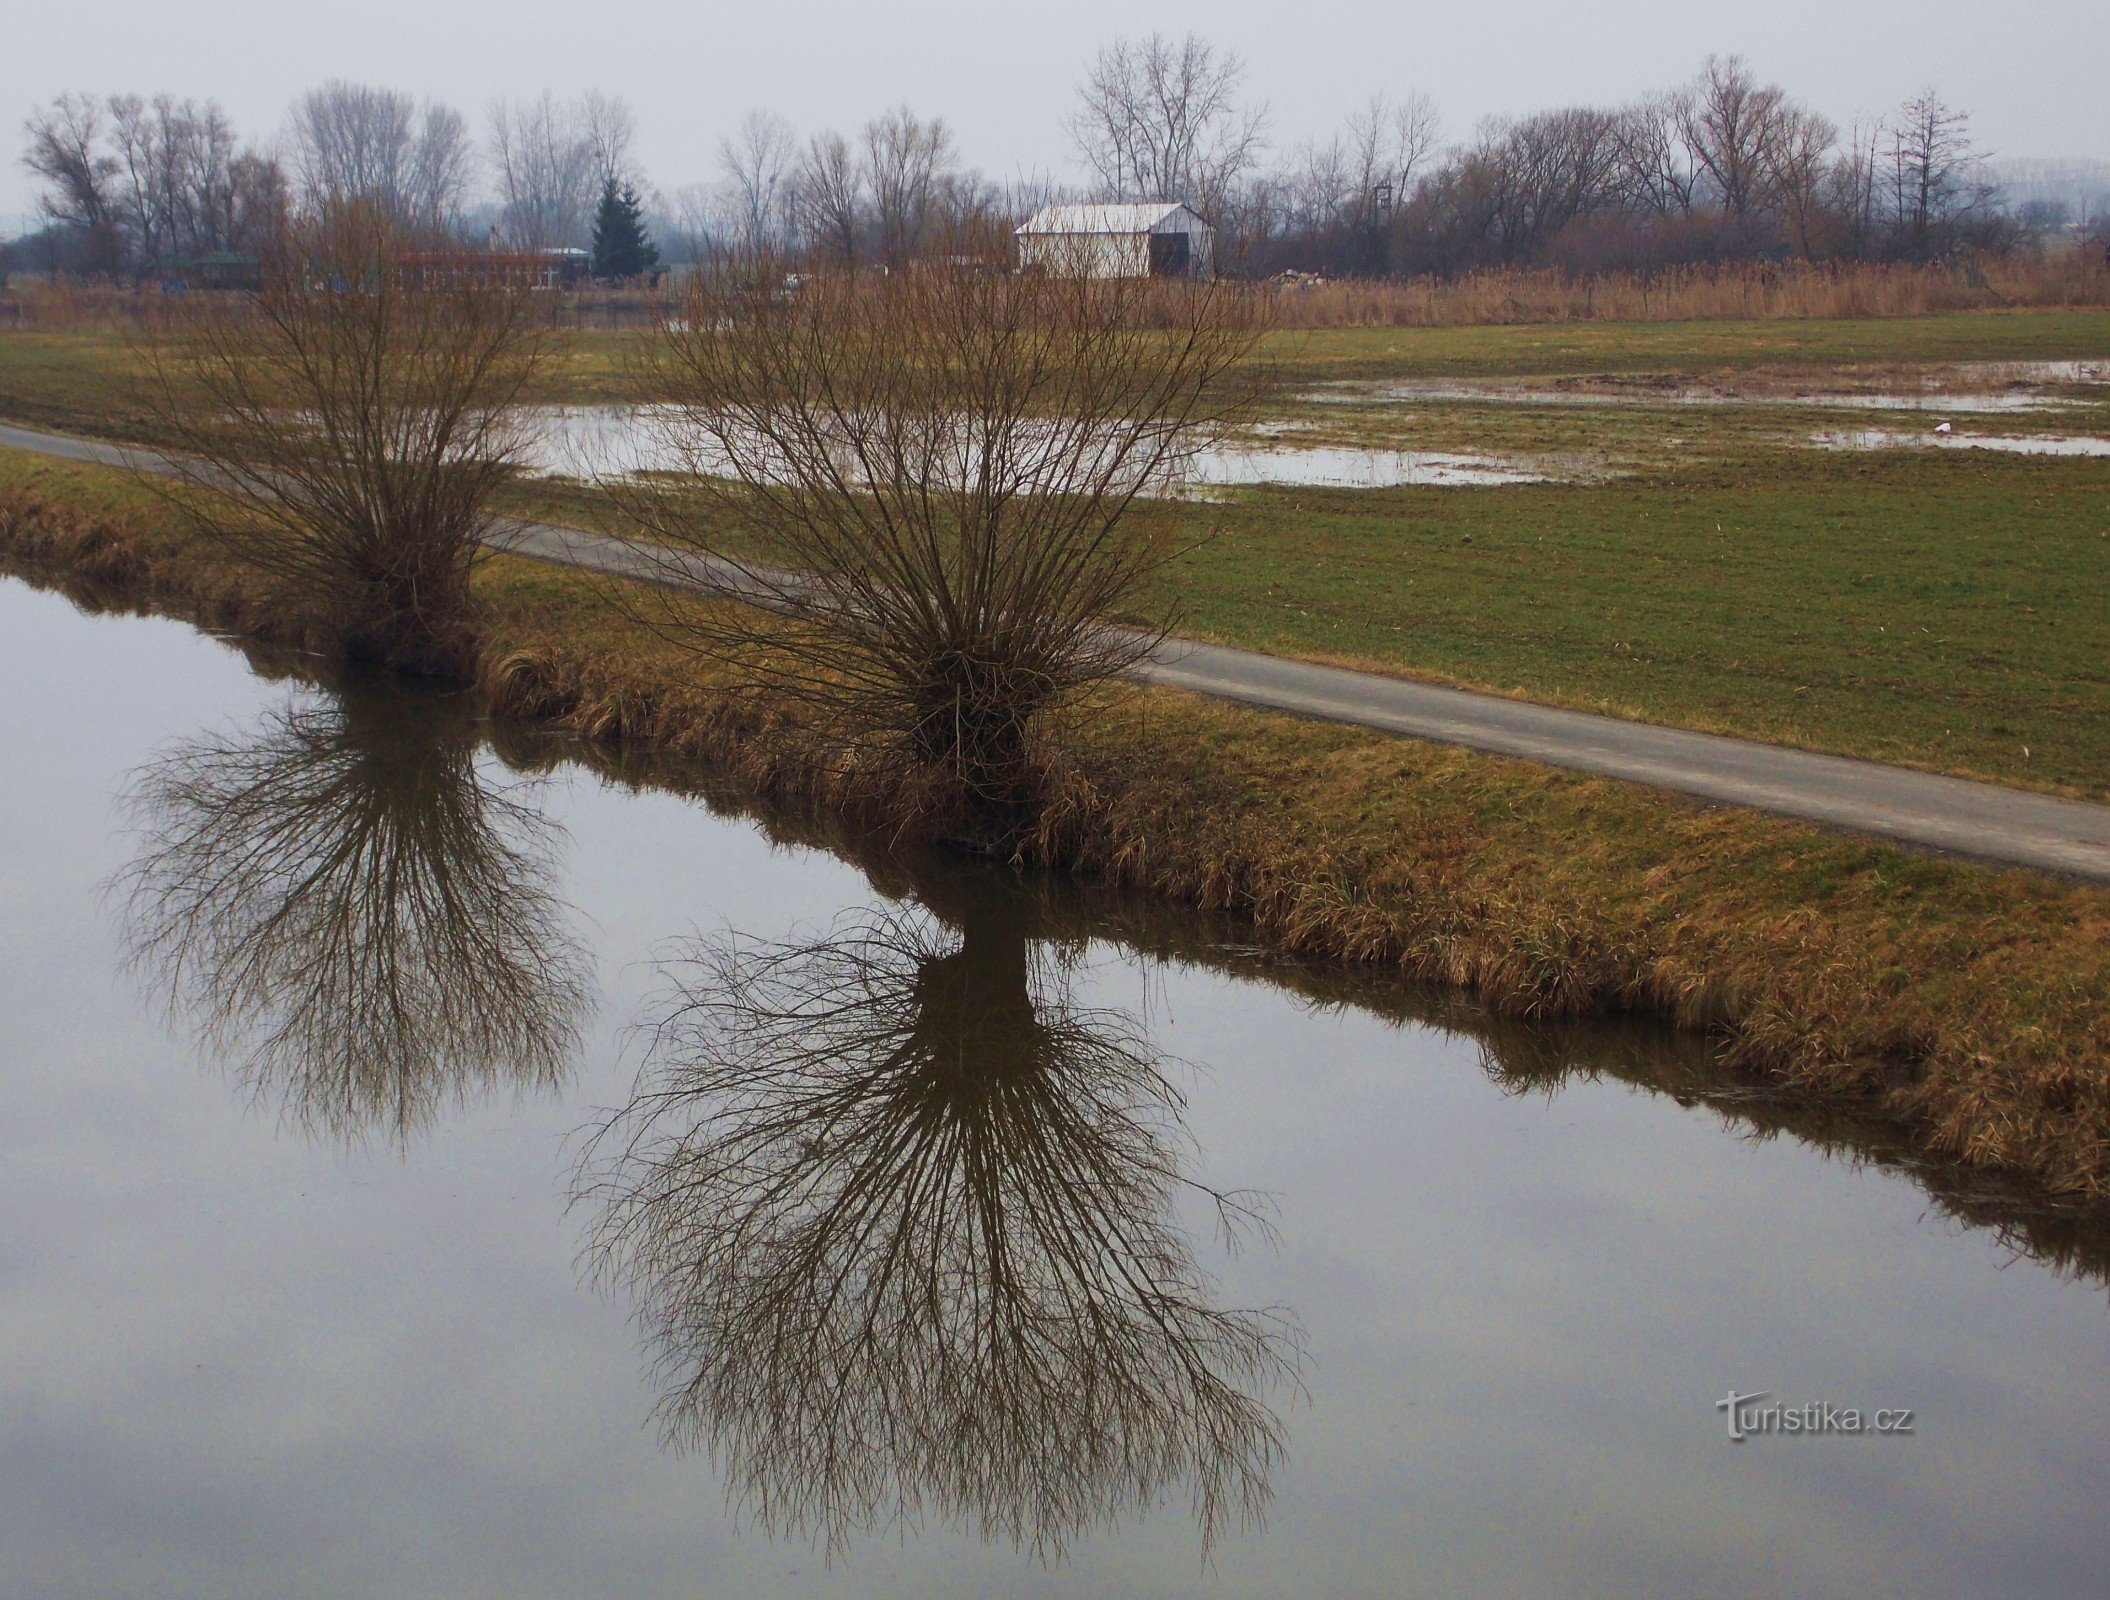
(1146, 217)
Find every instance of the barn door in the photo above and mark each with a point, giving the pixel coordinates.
(1168, 255)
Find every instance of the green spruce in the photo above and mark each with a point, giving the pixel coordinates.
(621, 248)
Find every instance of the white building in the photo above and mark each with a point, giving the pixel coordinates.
(1158, 239)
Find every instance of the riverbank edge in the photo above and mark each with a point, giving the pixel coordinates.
(1969, 1004)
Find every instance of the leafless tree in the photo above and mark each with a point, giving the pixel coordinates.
(344, 904)
(65, 150)
(549, 159)
(1798, 168)
(907, 162)
(353, 142)
(1657, 174)
(610, 129)
(1730, 123)
(1388, 144)
(758, 164)
(829, 195)
(1163, 121)
(899, 1220)
(144, 180)
(927, 481)
(1929, 157)
(346, 430)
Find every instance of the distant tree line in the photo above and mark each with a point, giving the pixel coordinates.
(133, 188)
(1725, 168)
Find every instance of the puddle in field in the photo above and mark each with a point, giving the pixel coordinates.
(1335, 467)
(589, 442)
(2007, 444)
(1414, 391)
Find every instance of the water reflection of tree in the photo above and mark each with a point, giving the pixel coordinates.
(901, 1221)
(341, 903)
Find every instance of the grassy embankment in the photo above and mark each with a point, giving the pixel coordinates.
(1969, 1004)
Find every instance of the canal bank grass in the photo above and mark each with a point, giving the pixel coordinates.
(1970, 1004)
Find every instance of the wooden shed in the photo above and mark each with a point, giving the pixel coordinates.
(1156, 239)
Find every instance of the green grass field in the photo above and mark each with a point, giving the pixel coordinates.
(1547, 349)
(1949, 610)
(1946, 610)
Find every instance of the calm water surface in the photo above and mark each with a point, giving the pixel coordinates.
(437, 1170)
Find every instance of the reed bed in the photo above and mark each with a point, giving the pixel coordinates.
(2067, 280)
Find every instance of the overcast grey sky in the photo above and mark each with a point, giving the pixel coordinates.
(2034, 73)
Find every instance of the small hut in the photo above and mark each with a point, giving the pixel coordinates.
(1157, 239)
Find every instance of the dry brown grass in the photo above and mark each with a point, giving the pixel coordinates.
(60, 305)
(1739, 292)
(1970, 1004)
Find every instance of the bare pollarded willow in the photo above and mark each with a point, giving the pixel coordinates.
(901, 1224)
(345, 430)
(928, 483)
(341, 903)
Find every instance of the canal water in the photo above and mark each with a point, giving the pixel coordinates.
(433, 1166)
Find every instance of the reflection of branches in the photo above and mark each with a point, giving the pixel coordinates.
(339, 897)
(900, 1222)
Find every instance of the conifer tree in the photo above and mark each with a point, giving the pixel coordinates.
(621, 248)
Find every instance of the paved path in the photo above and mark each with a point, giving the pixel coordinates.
(1977, 819)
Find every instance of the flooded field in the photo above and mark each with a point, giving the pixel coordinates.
(437, 1166)
(2011, 444)
(588, 442)
(1967, 388)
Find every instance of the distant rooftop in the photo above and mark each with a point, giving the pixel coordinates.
(1144, 217)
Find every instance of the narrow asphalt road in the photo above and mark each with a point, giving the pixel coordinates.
(1954, 814)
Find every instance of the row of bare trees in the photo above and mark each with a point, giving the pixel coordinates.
(129, 184)
(133, 180)
(884, 196)
(1725, 167)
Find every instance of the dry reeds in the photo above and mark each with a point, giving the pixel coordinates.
(1742, 291)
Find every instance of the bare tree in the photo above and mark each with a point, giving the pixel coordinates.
(442, 168)
(549, 159)
(353, 142)
(144, 180)
(1798, 167)
(177, 159)
(926, 481)
(1657, 174)
(758, 164)
(828, 198)
(346, 430)
(342, 902)
(610, 129)
(1387, 146)
(65, 150)
(1729, 123)
(1163, 121)
(901, 1222)
(907, 162)
(1930, 153)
